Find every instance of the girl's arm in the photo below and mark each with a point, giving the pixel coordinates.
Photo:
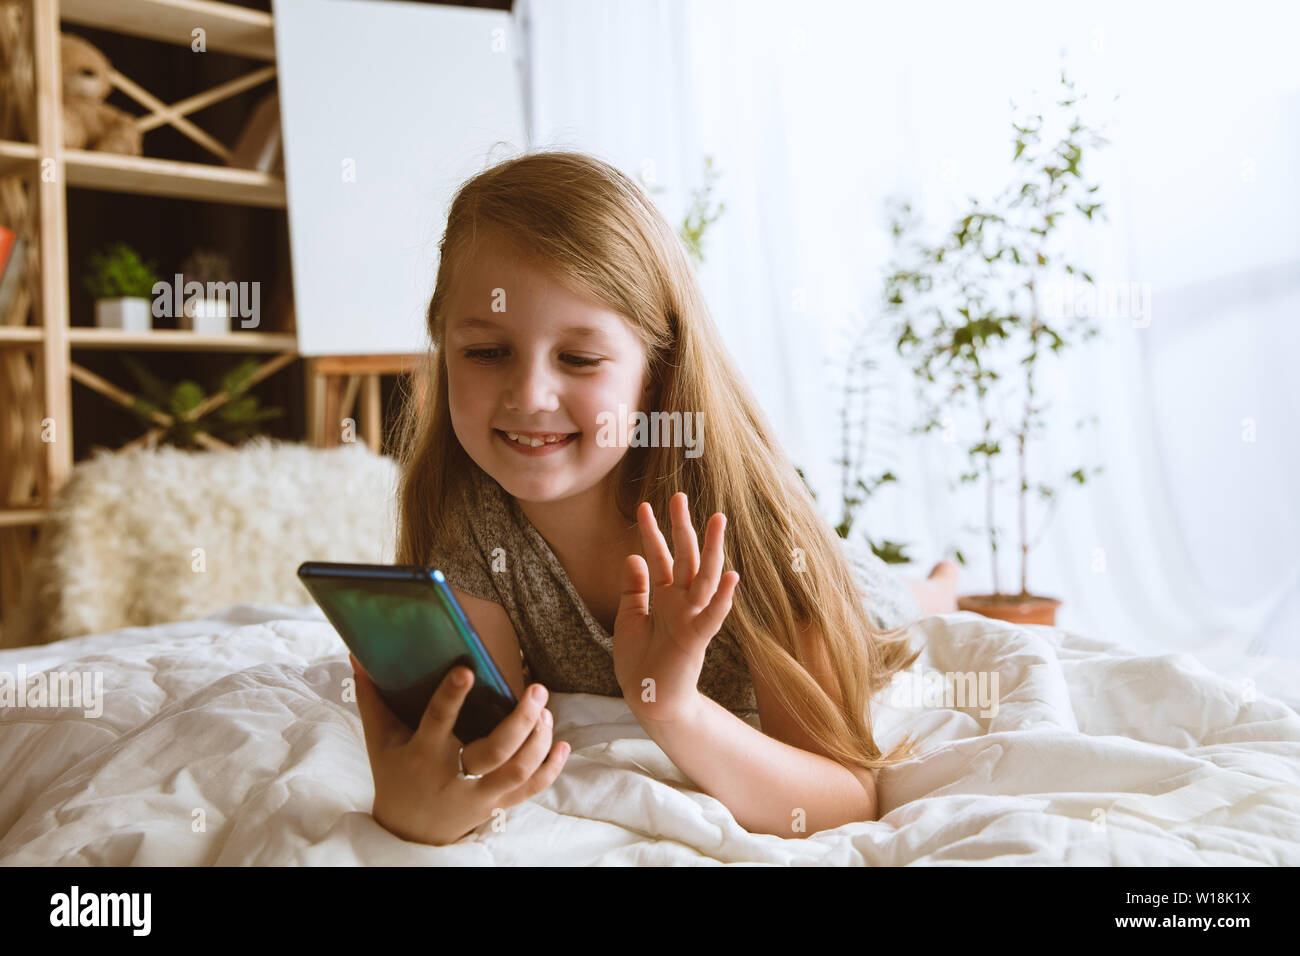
(773, 780)
(769, 786)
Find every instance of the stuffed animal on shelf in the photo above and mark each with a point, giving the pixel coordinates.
(89, 122)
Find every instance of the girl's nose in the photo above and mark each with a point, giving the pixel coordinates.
(531, 389)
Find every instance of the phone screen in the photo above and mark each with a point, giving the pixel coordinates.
(408, 631)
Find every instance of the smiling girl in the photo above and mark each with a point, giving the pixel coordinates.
(564, 298)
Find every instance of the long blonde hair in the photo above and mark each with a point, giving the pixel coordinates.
(594, 230)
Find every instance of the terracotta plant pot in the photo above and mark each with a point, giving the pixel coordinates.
(1016, 608)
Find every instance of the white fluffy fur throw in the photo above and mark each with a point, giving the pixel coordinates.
(154, 535)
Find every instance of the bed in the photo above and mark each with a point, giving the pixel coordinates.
(226, 740)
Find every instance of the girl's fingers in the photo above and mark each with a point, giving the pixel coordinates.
(685, 544)
(706, 581)
(656, 548)
(709, 621)
(381, 727)
(708, 592)
(635, 598)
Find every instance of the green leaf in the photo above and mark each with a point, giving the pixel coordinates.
(238, 410)
(143, 408)
(185, 397)
(155, 388)
(891, 552)
(117, 271)
(236, 380)
(262, 414)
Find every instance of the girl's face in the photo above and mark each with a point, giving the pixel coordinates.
(526, 355)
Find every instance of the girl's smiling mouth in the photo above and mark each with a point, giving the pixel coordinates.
(534, 446)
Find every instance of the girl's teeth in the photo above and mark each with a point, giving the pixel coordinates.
(534, 442)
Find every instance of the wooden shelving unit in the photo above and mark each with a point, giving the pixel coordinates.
(49, 170)
(230, 28)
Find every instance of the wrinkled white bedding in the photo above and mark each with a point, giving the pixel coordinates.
(225, 741)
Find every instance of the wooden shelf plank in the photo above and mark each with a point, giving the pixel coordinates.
(228, 28)
(181, 341)
(145, 175)
(166, 177)
(17, 517)
(21, 334)
(16, 157)
(396, 364)
(159, 339)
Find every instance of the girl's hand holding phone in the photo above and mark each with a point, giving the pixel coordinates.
(419, 794)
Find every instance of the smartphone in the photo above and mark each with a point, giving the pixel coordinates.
(406, 628)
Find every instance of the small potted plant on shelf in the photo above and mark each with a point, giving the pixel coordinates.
(209, 312)
(121, 284)
(975, 319)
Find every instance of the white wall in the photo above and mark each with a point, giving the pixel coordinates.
(816, 112)
(386, 109)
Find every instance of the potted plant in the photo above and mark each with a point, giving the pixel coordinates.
(121, 284)
(971, 318)
(208, 313)
(229, 416)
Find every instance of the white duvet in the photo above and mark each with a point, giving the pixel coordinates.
(225, 741)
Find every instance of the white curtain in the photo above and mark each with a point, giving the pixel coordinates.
(816, 113)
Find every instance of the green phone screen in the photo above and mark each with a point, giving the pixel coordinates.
(406, 629)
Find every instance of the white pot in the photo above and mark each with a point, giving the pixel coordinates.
(206, 316)
(127, 314)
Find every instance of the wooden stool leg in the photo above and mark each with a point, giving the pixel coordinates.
(315, 405)
(347, 414)
(372, 414)
(330, 417)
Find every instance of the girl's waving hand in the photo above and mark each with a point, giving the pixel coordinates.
(659, 651)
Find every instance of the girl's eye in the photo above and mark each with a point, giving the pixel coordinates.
(575, 360)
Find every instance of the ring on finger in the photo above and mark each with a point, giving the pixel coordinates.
(460, 760)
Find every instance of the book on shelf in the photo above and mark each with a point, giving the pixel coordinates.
(7, 238)
(13, 266)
